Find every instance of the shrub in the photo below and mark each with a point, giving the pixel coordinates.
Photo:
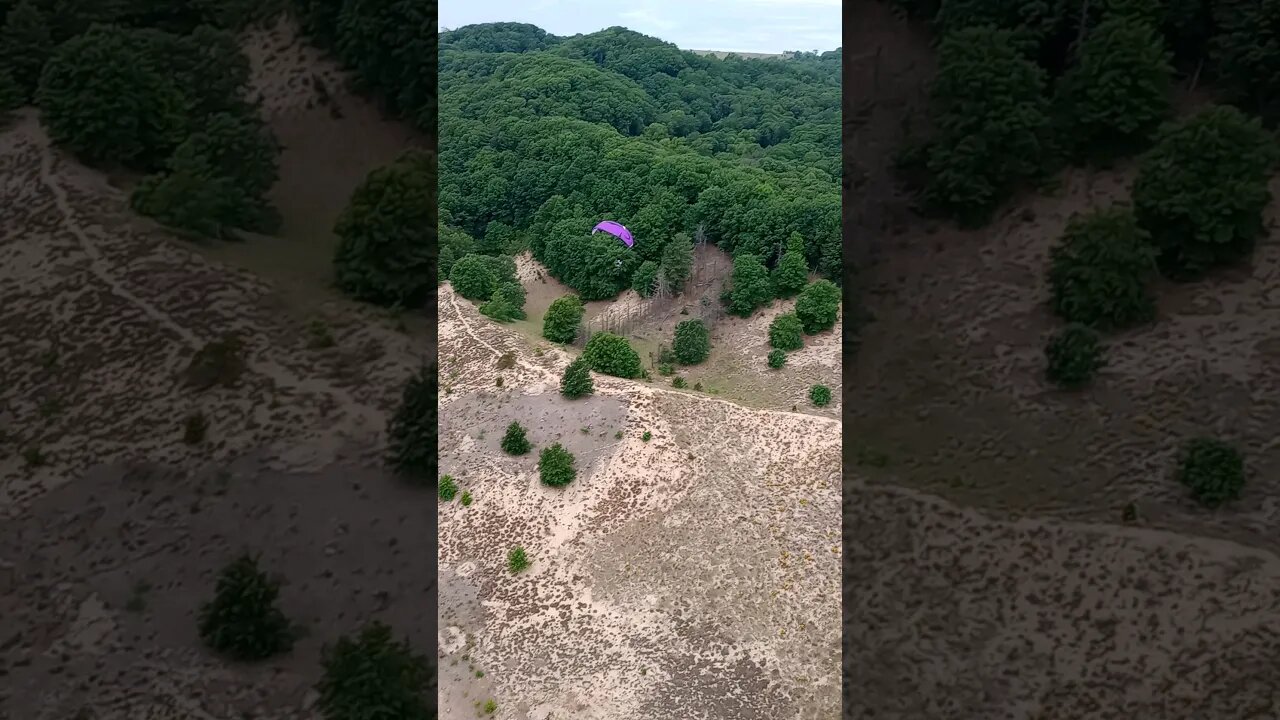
(1213, 470)
(514, 441)
(777, 359)
(517, 560)
(1074, 356)
(374, 676)
(666, 369)
(506, 304)
(1119, 92)
(472, 277)
(786, 332)
(750, 287)
(692, 342)
(555, 466)
(576, 381)
(647, 436)
(1245, 55)
(387, 235)
(1202, 189)
(242, 621)
(818, 306)
(506, 360)
(466, 499)
(677, 382)
(219, 362)
(560, 324)
(792, 272)
(1100, 269)
(992, 122)
(448, 488)
(25, 46)
(645, 277)
(411, 432)
(318, 335)
(194, 428)
(612, 355)
(820, 395)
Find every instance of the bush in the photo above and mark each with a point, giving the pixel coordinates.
(692, 342)
(1117, 95)
(374, 676)
(576, 381)
(1202, 189)
(448, 488)
(1074, 356)
(777, 359)
(387, 235)
(506, 361)
(555, 466)
(466, 499)
(517, 560)
(560, 324)
(750, 285)
(645, 278)
(472, 277)
(647, 436)
(992, 123)
(612, 355)
(1213, 470)
(786, 332)
(194, 428)
(666, 369)
(242, 621)
(219, 362)
(411, 433)
(678, 382)
(792, 272)
(506, 304)
(514, 441)
(1100, 269)
(25, 46)
(1245, 55)
(820, 395)
(818, 306)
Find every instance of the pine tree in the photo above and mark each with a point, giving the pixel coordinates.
(242, 621)
(514, 441)
(577, 380)
(791, 273)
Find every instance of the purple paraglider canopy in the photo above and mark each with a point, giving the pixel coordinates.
(616, 230)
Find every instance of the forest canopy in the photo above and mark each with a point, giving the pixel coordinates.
(542, 137)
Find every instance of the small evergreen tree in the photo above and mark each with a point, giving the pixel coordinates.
(576, 381)
(786, 332)
(560, 324)
(820, 395)
(692, 342)
(517, 560)
(448, 488)
(555, 466)
(777, 359)
(612, 355)
(1213, 470)
(1074, 356)
(750, 285)
(25, 45)
(412, 430)
(514, 441)
(373, 677)
(677, 261)
(792, 272)
(1100, 270)
(645, 278)
(818, 306)
(242, 621)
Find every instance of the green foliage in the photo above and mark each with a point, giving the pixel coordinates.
(466, 499)
(517, 561)
(25, 46)
(387, 235)
(818, 306)
(1246, 54)
(576, 381)
(11, 95)
(560, 323)
(1202, 189)
(555, 466)
(612, 355)
(1029, 22)
(678, 382)
(1119, 92)
(992, 121)
(777, 358)
(507, 303)
(644, 278)
(1213, 469)
(472, 277)
(373, 677)
(392, 45)
(499, 37)
(514, 441)
(750, 286)
(820, 395)
(243, 621)
(1074, 356)
(447, 488)
(1100, 270)
(454, 244)
(411, 432)
(647, 436)
(786, 332)
(677, 261)
(791, 273)
(692, 342)
(597, 266)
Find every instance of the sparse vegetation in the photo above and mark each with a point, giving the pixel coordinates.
(374, 676)
(1074, 356)
(678, 382)
(647, 436)
(517, 561)
(506, 360)
(1213, 470)
(466, 499)
(555, 466)
(243, 620)
(514, 441)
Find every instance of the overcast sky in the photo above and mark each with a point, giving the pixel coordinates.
(764, 26)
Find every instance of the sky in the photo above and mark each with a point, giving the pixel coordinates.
(761, 26)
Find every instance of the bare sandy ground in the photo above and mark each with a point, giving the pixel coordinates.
(694, 575)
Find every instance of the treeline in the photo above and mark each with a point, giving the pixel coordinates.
(545, 136)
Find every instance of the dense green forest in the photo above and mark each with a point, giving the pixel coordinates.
(543, 136)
